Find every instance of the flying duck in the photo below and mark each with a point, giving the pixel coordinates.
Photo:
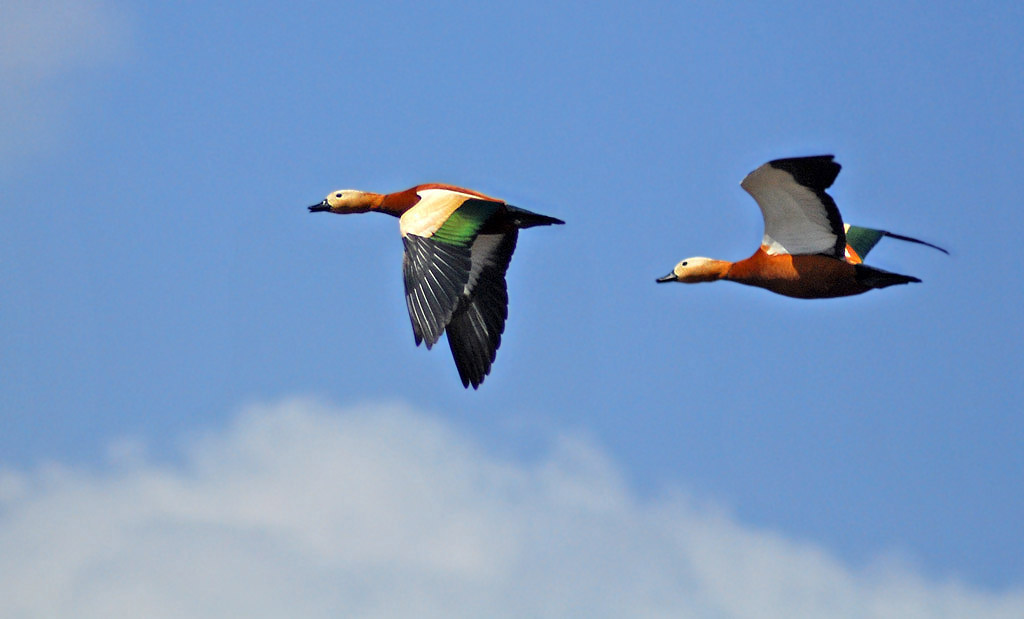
(807, 252)
(458, 244)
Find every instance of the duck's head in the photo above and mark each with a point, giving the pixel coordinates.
(345, 201)
(697, 269)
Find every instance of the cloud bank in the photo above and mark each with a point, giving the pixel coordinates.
(304, 510)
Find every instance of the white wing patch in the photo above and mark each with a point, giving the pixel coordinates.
(795, 220)
(430, 213)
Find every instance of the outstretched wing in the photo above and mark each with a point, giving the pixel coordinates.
(799, 217)
(439, 233)
(474, 332)
(435, 275)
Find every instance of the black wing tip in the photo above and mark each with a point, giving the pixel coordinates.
(816, 172)
(466, 382)
(474, 339)
(471, 376)
(810, 159)
(473, 359)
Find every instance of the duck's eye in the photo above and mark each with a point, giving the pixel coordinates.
(337, 195)
(683, 263)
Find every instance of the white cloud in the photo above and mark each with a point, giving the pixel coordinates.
(301, 510)
(42, 44)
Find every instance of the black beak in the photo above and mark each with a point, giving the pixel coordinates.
(323, 206)
(671, 277)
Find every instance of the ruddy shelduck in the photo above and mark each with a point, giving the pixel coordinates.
(807, 252)
(458, 244)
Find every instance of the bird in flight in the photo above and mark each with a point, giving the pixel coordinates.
(458, 244)
(807, 252)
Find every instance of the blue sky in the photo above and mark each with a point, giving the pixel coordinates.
(161, 278)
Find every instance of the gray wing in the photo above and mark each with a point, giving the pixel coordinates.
(799, 217)
(435, 276)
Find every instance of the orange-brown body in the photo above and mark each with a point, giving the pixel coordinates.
(401, 201)
(803, 276)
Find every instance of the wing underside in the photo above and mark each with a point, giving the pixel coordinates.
(435, 276)
(474, 332)
(799, 216)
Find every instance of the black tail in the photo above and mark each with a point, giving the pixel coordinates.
(912, 240)
(523, 218)
(877, 278)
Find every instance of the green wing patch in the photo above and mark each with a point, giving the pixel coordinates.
(463, 225)
(862, 240)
